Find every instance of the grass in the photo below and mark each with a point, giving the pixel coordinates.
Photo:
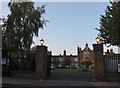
(87, 70)
(73, 70)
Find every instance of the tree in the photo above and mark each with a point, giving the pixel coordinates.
(20, 26)
(87, 63)
(109, 30)
(66, 62)
(56, 62)
(31, 60)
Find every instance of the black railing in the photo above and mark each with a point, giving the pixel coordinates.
(111, 63)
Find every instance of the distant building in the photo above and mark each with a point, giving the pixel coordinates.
(86, 56)
(74, 61)
(119, 50)
(109, 52)
(65, 60)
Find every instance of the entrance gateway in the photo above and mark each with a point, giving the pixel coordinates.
(68, 66)
(83, 59)
(43, 63)
(106, 66)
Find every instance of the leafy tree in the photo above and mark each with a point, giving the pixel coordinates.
(31, 62)
(56, 62)
(20, 26)
(66, 62)
(109, 29)
(87, 63)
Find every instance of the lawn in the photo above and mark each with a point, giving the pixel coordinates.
(73, 70)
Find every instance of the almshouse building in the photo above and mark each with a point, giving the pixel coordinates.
(85, 56)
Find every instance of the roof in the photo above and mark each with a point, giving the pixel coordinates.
(65, 56)
(86, 48)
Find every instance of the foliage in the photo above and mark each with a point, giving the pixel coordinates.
(87, 63)
(20, 26)
(109, 29)
(87, 70)
(56, 62)
(31, 66)
(84, 70)
(66, 62)
(29, 63)
(73, 70)
(67, 70)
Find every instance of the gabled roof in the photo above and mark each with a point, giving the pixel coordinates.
(86, 48)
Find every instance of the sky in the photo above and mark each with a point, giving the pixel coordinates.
(71, 24)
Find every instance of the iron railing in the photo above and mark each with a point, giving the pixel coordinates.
(111, 63)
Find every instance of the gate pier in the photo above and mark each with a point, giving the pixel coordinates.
(99, 64)
(43, 63)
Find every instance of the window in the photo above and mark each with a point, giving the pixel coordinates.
(60, 59)
(76, 59)
(86, 55)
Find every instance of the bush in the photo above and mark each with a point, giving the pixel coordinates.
(84, 70)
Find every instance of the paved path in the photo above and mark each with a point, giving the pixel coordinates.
(15, 81)
(71, 76)
(58, 79)
(32, 83)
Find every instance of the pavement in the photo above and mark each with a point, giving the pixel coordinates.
(16, 83)
(59, 79)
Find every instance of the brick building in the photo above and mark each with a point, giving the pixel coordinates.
(74, 61)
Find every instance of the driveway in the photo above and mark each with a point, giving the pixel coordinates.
(71, 76)
(60, 80)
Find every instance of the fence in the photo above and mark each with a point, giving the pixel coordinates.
(111, 63)
(36, 65)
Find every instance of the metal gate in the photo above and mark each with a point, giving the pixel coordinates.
(111, 63)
